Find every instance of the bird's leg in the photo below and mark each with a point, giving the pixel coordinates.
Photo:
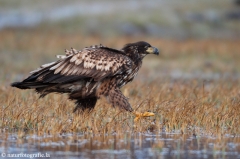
(116, 98)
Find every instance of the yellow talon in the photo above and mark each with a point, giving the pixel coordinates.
(139, 115)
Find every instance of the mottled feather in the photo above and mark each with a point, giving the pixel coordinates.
(90, 73)
(101, 60)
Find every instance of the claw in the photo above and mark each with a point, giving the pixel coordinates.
(140, 115)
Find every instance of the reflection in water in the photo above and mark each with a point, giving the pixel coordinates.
(138, 145)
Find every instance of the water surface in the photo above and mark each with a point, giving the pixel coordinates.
(129, 145)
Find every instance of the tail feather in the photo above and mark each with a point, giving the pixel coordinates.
(28, 85)
(18, 85)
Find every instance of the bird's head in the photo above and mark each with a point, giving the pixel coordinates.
(141, 48)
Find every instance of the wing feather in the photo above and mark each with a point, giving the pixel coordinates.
(91, 62)
(61, 67)
(96, 63)
(66, 69)
(78, 61)
(56, 66)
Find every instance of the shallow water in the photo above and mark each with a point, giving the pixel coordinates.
(138, 145)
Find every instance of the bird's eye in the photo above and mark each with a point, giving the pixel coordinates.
(147, 46)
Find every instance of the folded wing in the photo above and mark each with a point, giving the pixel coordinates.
(93, 62)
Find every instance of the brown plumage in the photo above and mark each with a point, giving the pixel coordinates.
(90, 73)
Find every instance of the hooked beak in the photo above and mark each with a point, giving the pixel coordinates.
(152, 50)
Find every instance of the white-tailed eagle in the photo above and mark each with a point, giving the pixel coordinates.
(90, 73)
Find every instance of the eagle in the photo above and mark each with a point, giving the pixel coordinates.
(88, 74)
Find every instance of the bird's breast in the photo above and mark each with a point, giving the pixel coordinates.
(128, 76)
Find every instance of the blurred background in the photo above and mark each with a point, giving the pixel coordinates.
(197, 39)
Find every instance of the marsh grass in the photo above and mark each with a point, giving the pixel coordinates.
(189, 106)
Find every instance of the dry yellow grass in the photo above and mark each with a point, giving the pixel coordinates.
(191, 106)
